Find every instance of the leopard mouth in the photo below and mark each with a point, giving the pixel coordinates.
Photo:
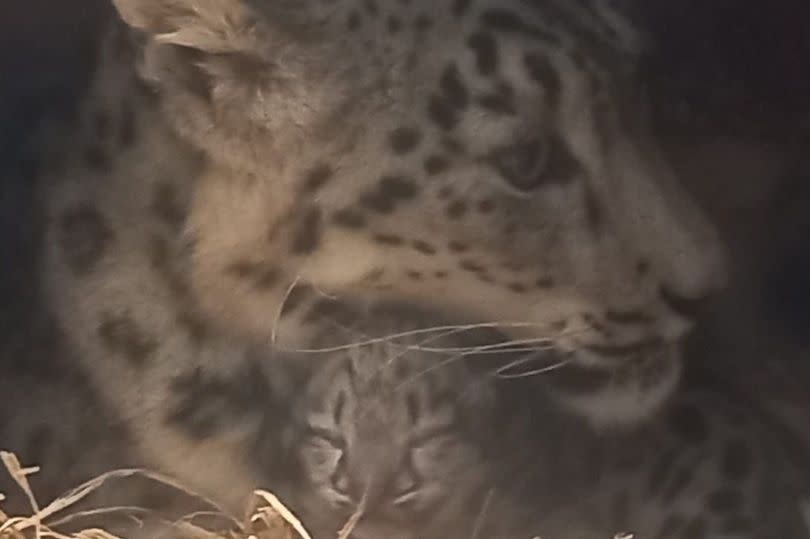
(613, 353)
(603, 358)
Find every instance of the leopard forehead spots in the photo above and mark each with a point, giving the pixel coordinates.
(424, 247)
(85, 236)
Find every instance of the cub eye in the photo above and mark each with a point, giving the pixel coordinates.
(325, 441)
(323, 456)
(523, 165)
(406, 488)
(340, 482)
(326, 456)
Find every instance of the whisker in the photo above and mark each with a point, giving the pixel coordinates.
(460, 355)
(518, 344)
(428, 370)
(416, 332)
(277, 318)
(407, 349)
(480, 519)
(500, 372)
(512, 346)
(348, 527)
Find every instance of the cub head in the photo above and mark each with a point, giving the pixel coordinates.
(487, 159)
(390, 430)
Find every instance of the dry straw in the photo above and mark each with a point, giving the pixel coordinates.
(268, 517)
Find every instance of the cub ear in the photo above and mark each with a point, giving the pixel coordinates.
(213, 26)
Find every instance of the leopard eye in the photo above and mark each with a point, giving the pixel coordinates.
(524, 165)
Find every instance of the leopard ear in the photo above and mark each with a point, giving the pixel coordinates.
(249, 68)
(213, 26)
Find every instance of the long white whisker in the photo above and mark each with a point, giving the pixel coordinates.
(501, 371)
(480, 519)
(428, 370)
(449, 329)
(488, 348)
(416, 332)
(407, 348)
(277, 318)
(475, 350)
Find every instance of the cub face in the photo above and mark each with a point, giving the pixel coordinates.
(389, 428)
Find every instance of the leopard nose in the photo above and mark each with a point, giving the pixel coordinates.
(685, 306)
(692, 273)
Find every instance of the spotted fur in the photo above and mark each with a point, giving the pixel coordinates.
(237, 160)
